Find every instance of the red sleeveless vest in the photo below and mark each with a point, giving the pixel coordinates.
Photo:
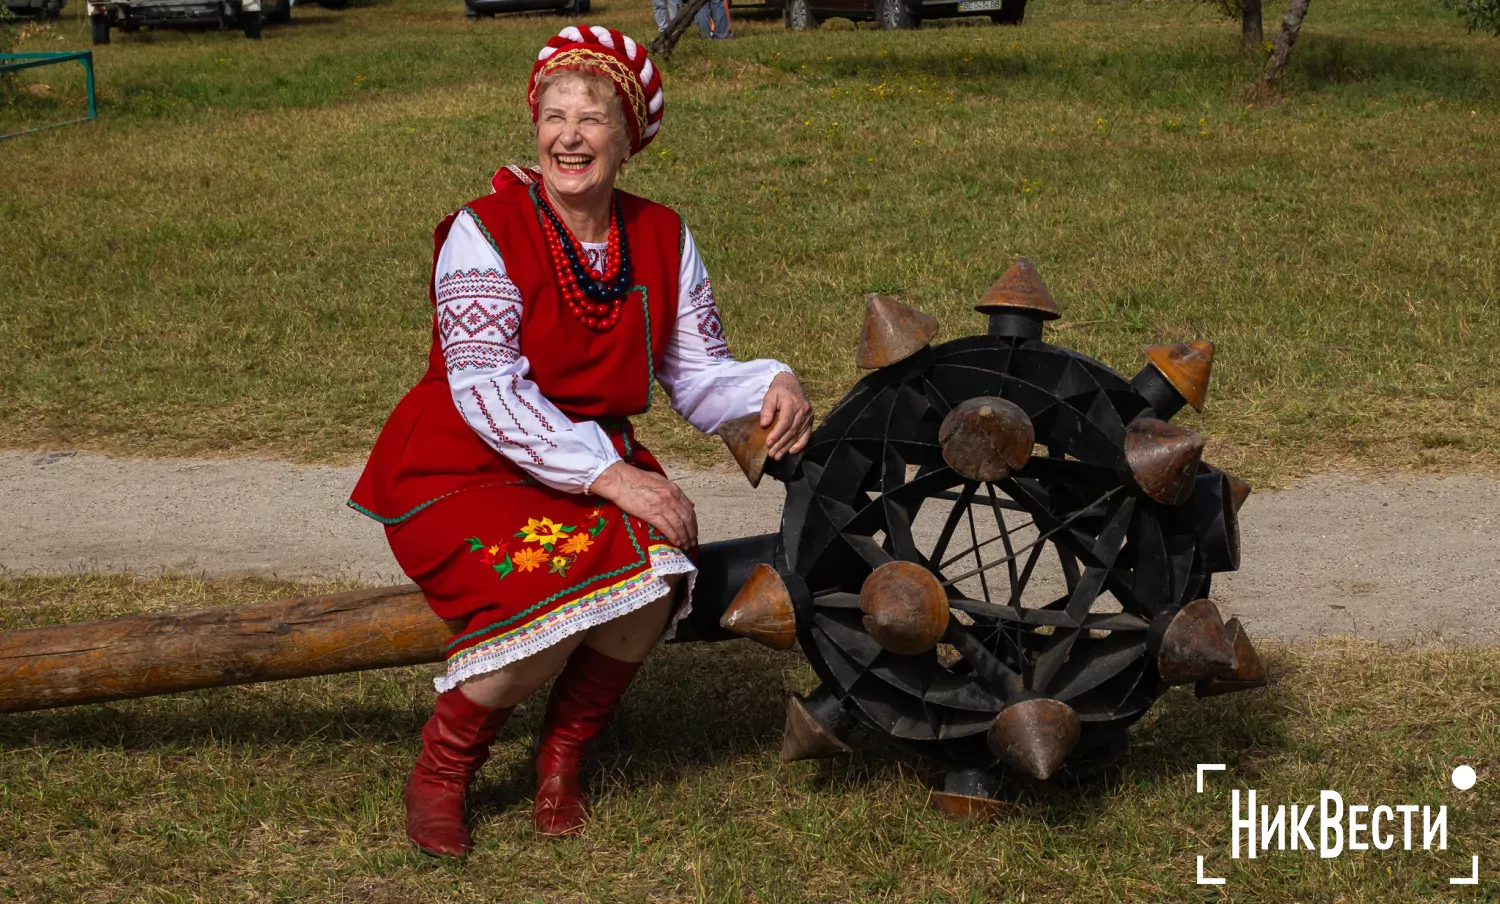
(427, 451)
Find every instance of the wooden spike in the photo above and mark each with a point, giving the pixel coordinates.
(746, 440)
(986, 438)
(905, 606)
(1164, 459)
(1187, 366)
(1239, 491)
(1195, 646)
(1035, 735)
(1019, 289)
(805, 738)
(762, 610)
(1248, 672)
(892, 332)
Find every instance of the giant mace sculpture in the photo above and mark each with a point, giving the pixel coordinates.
(1069, 467)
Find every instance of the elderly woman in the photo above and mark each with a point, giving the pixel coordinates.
(510, 482)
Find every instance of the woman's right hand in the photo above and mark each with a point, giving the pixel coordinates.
(652, 498)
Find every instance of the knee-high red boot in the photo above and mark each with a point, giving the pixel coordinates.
(583, 698)
(455, 743)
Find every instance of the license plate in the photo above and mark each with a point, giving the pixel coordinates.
(975, 6)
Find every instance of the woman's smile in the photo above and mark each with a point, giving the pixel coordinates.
(572, 164)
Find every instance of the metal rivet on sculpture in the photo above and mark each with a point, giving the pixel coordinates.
(945, 643)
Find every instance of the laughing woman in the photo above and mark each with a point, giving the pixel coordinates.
(510, 481)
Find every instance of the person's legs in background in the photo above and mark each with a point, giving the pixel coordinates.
(664, 11)
(713, 20)
(721, 18)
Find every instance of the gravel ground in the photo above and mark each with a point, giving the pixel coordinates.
(1404, 559)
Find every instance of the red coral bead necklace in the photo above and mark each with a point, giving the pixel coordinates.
(596, 298)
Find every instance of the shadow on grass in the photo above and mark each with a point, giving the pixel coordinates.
(694, 706)
(1452, 71)
(1178, 733)
(1177, 71)
(735, 709)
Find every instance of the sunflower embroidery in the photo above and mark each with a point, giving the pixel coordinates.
(528, 559)
(493, 555)
(561, 564)
(545, 532)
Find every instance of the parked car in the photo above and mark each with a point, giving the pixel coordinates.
(476, 8)
(42, 9)
(804, 14)
(247, 15)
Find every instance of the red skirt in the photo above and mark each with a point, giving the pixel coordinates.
(521, 566)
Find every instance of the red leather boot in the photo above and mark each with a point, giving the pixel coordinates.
(583, 698)
(455, 743)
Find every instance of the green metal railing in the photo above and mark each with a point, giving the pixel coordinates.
(14, 62)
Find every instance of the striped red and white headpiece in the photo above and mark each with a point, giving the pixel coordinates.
(612, 55)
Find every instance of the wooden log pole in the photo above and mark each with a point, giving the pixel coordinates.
(146, 655)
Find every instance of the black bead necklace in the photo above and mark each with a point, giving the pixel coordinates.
(602, 291)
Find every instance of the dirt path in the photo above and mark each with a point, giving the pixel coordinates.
(1403, 559)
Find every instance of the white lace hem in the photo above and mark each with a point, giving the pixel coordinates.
(665, 562)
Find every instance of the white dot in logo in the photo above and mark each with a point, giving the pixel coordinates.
(1464, 778)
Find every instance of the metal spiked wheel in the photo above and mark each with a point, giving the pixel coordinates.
(999, 552)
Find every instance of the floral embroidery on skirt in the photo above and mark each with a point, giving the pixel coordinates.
(519, 583)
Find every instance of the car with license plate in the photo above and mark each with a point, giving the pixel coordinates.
(245, 15)
(806, 14)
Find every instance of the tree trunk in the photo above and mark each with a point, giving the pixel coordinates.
(1250, 24)
(663, 43)
(1291, 24)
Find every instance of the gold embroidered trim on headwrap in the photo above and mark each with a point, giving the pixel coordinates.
(583, 58)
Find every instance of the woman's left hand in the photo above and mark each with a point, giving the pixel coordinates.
(788, 413)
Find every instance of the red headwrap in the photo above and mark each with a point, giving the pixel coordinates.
(612, 55)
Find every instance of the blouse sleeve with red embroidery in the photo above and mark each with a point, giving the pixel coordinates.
(706, 384)
(479, 326)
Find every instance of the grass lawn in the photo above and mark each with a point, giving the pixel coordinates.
(232, 259)
(291, 791)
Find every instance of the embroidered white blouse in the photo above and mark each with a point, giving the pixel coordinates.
(479, 326)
